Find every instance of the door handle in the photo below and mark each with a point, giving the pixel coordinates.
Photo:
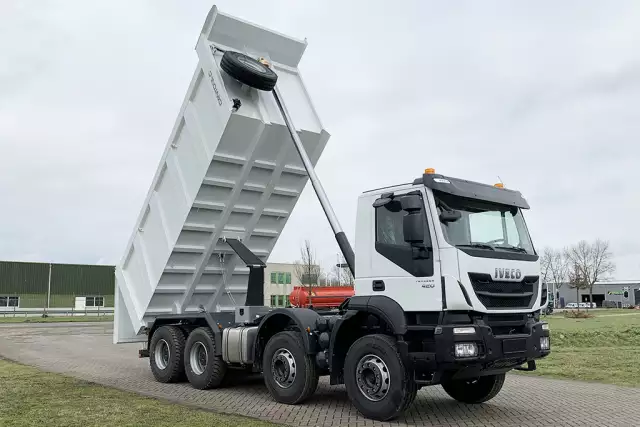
(378, 285)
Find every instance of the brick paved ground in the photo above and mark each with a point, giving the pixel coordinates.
(85, 351)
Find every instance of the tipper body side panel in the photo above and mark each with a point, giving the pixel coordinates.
(223, 174)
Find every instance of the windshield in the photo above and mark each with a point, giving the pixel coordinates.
(484, 225)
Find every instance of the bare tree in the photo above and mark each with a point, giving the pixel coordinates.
(545, 264)
(343, 273)
(577, 281)
(307, 269)
(336, 275)
(594, 261)
(554, 266)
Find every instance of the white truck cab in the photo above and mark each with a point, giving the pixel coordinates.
(474, 253)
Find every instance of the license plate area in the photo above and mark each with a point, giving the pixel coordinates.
(515, 345)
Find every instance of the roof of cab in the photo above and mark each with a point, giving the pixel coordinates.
(472, 190)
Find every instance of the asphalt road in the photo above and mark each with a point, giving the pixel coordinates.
(85, 351)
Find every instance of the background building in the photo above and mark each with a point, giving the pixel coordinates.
(620, 292)
(279, 280)
(30, 285)
(26, 286)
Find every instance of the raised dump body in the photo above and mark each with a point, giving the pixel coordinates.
(229, 171)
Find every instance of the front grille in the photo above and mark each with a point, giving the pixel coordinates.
(502, 294)
(506, 324)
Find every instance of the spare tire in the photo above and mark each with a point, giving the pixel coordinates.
(248, 71)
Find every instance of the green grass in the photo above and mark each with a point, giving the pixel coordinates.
(604, 319)
(611, 365)
(34, 319)
(605, 348)
(29, 397)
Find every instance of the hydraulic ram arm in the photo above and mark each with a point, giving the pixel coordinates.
(344, 244)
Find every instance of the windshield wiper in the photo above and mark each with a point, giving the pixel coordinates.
(513, 248)
(477, 245)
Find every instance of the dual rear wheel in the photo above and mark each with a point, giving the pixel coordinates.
(175, 357)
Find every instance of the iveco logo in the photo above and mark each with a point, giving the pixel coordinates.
(508, 273)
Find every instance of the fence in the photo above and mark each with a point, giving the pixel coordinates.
(57, 312)
(28, 287)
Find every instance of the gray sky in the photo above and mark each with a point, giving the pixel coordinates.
(544, 94)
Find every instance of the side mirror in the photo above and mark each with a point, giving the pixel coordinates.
(381, 202)
(450, 216)
(413, 222)
(413, 228)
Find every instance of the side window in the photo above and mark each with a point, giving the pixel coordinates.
(389, 225)
(391, 245)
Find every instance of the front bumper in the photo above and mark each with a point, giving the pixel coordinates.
(491, 348)
(496, 353)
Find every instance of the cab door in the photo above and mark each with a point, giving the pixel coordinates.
(406, 270)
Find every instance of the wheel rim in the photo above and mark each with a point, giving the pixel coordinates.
(283, 368)
(162, 354)
(372, 377)
(198, 357)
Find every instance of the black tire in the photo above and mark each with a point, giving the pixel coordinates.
(209, 370)
(400, 389)
(475, 390)
(248, 71)
(284, 354)
(165, 354)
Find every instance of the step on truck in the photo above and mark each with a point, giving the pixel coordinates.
(447, 286)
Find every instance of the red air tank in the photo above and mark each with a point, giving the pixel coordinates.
(321, 296)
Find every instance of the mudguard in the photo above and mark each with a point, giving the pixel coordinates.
(302, 318)
(384, 307)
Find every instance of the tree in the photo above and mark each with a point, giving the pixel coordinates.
(577, 281)
(307, 270)
(594, 262)
(554, 266)
(342, 272)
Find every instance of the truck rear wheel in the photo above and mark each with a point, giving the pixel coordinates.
(291, 376)
(376, 380)
(165, 354)
(204, 369)
(475, 390)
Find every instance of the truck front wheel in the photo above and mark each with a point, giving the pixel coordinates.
(204, 369)
(165, 355)
(376, 380)
(291, 376)
(476, 390)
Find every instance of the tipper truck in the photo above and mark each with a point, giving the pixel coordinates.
(447, 280)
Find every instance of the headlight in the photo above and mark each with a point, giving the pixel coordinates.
(464, 331)
(466, 349)
(544, 343)
(545, 326)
